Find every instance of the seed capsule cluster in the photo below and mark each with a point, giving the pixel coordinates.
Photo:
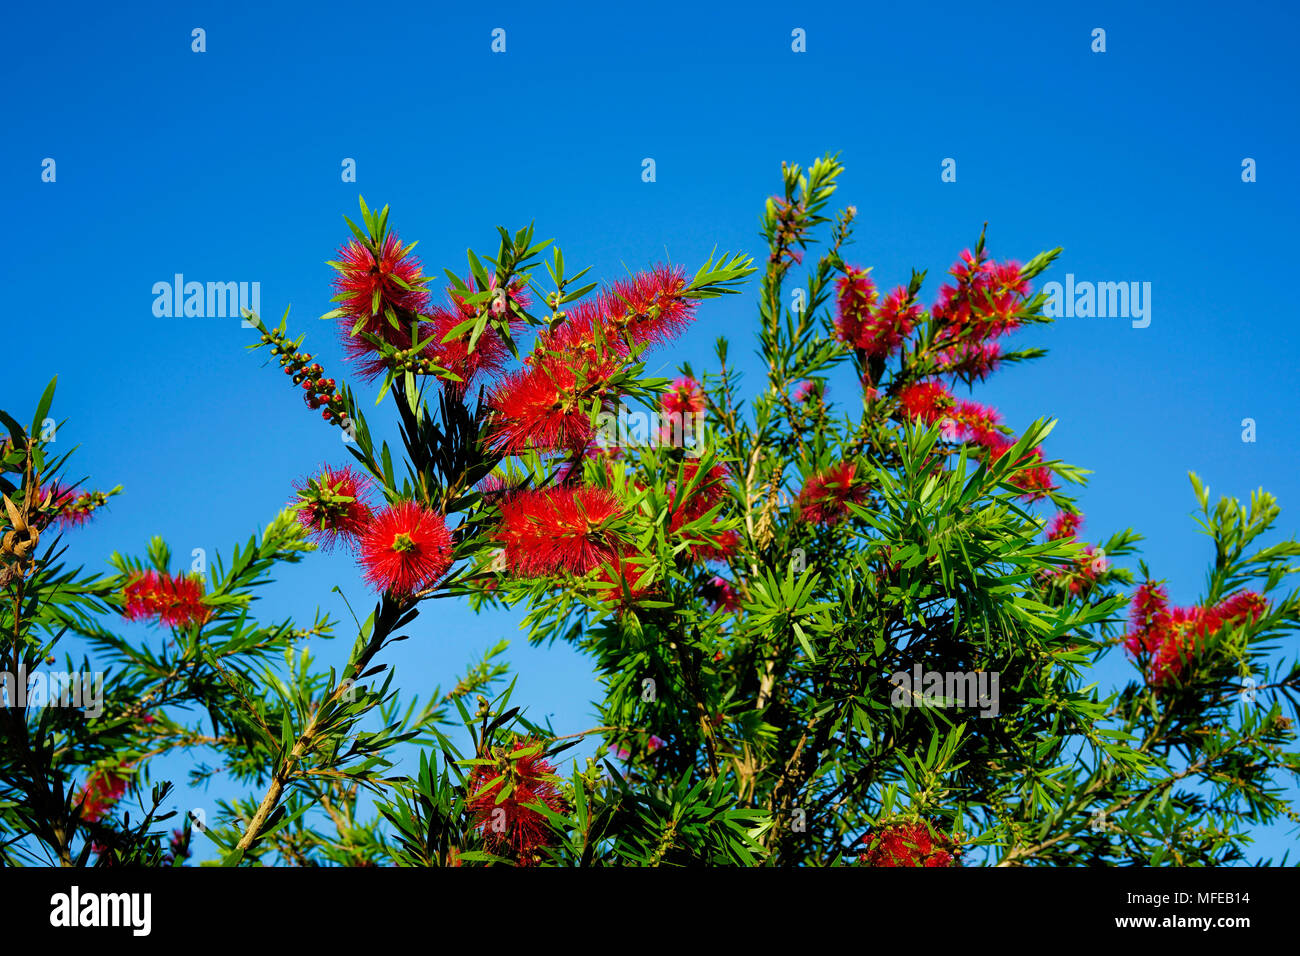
(318, 391)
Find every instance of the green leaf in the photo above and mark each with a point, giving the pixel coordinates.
(43, 406)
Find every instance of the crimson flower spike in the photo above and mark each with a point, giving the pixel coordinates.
(499, 794)
(406, 548)
(332, 506)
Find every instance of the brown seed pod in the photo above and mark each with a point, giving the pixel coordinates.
(20, 544)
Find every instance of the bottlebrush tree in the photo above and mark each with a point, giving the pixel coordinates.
(860, 633)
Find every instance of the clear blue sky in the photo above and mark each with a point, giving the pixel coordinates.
(225, 165)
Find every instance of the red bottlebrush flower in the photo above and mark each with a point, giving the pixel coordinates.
(720, 593)
(77, 513)
(907, 844)
(103, 789)
(65, 506)
(879, 333)
(1244, 605)
(895, 319)
(507, 822)
(138, 595)
(371, 287)
(985, 299)
(855, 297)
(367, 284)
(826, 495)
(332, 505)
(81, 509)
(684, 398)
(1167, 640)
(406, 548)
(977, 423)
(1166, 650)
(648, 308)
(1065, 524)
(1149, 608)
(175, 601)
(805, 391)
(953, 306)
(651, 306)
(566, 529)
(928, 401)
(547, 406)
(973, 361)
(1004, 294)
